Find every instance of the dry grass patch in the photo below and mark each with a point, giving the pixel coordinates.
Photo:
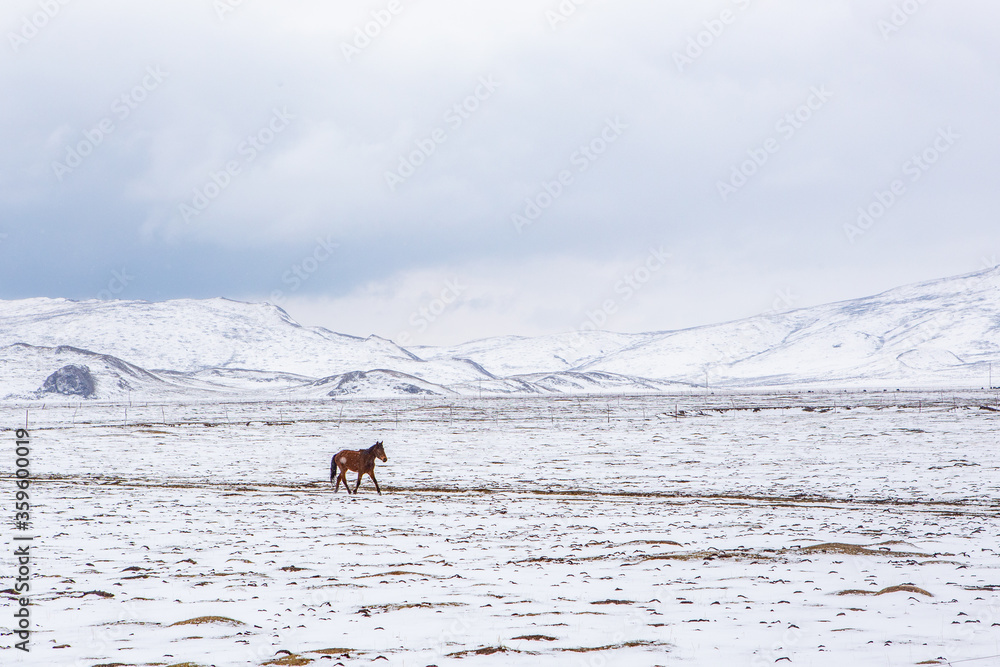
(100, 594)
(382, 608)
(935, 561)
(398, 573)
(487, 650)
(904, 588)
(208, 619)
(736, 554)
(535, 638)
(858, 550)
(638, 643)
(290, 659)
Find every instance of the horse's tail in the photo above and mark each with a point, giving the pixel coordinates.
(333, 467)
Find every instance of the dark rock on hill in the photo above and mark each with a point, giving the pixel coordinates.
(70, 380)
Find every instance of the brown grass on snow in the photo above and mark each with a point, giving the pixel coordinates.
(291, 659)
(905, 588)
(208, 619)
(857, 550)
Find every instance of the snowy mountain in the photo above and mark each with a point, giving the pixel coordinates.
(195, 336)
(192, 335)
(943, 332)
(28, 372)
(515, 355)
(939, 333)
(370, 384)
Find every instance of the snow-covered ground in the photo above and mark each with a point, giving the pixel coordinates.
(658, 530)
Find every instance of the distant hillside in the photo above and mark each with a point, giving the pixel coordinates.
(939, 333)
(943, 332)
(39, 373)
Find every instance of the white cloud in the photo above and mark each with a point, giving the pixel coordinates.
(354, 120)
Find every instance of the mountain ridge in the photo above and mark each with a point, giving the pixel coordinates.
(937, 332)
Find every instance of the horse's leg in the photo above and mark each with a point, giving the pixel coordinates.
(361, 474)
(343, 478)
(372, 475)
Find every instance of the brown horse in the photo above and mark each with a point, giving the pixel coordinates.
(361, 461)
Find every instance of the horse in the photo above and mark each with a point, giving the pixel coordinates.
(361, 461)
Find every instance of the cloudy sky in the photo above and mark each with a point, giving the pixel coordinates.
(442, 170)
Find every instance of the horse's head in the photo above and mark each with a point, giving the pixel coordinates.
(380, 452)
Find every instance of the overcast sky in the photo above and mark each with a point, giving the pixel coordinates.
(435, 171)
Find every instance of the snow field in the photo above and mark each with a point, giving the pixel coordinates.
(572, 531)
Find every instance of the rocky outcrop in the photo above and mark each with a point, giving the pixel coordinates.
(70, 380)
